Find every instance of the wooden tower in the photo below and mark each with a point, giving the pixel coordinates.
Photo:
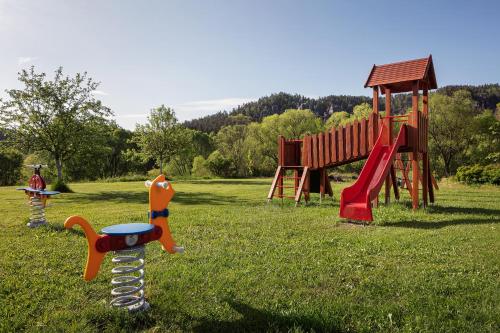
(408, 76)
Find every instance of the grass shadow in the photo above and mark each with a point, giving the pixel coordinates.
(462, 210)
(61, 228)
(255, 320)
(141, 197)
(438, 224)
(229, 182)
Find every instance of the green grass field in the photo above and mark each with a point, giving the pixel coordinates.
(250, 266)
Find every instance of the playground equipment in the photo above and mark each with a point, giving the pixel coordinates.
(128, 241)
(37, 196)
(372, 139)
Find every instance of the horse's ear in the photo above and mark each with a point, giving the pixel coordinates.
(160, 193)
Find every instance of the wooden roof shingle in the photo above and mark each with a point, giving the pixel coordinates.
(399, 76)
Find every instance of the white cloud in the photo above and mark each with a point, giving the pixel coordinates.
(25, 60)
(99, 92)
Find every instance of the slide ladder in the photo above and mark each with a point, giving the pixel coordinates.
(355, 200)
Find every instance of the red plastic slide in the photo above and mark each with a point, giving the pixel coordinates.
(355, 200)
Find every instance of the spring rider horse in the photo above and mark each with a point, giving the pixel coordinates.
(127, 241)
(37, 196)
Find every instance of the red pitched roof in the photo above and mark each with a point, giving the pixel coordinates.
(399, 76)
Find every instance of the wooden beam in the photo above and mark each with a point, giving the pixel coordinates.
(375, 99)
(394, 182)
(302, 185)
(388, 141)
(274, 183)
(414, 154)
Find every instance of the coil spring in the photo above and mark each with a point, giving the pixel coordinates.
(37, 212)
(128, 291)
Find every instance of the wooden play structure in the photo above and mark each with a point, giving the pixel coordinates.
(303, 163)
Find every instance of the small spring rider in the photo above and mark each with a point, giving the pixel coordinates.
(37, 196)
(127, 242)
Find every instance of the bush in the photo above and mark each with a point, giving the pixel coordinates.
(11, 162)
(61, 187)
(200, 167)
(479, 174)
(220, 165)
(126, 178)
(153, 173)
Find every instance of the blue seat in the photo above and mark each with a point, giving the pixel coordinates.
(128, 229)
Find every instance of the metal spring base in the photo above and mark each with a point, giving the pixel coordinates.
(37, 213)
(128, 291)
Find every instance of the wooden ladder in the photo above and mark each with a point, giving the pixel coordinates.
(300, 178)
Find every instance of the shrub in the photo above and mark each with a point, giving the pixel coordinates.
(11, 162)
(479, 174)
(154, 173)
(220, 165)
(127, 178)
(200, 167)
(61, 187)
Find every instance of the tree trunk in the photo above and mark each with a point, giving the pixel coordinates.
(161, 166)
(59, 169)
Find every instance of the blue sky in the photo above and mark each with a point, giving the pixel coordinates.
(203, 56)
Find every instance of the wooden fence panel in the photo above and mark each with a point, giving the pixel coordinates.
(304, 151)
(355, 139)
(370, 132)
(333, 145)
(315, 150)
(321, 150)
(310, 152)
(341, 146)
(327, 148)
(363, 142)
(348, 141)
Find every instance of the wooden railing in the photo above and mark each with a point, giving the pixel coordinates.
(348, 143)
(423, 127)
(341, 144)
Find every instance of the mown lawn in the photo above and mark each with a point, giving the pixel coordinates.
(250, 266)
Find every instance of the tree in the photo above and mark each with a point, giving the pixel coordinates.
(220, 165)
(337, 119)
(11, 162)
(55, 115)
(200, 167)
(451, 127)
(231, 144)
(157, 139)
(361, 111)
(262, 138)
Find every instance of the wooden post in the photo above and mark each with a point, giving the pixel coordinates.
(425, 156)
(414, 155)
(374, 129)
(281, 162)
(375, 99)
(321, 184)
(388, 141)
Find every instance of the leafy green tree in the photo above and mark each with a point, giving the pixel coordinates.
(262, 138)
(451, 128)
(157, 138)
(337, 119)
(200, 167)
(56, 116)
(11, 162)
(230, 143)
(361, 111)
(487, 139)
(220, 165)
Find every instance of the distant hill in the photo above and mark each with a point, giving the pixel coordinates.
(486, 96)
